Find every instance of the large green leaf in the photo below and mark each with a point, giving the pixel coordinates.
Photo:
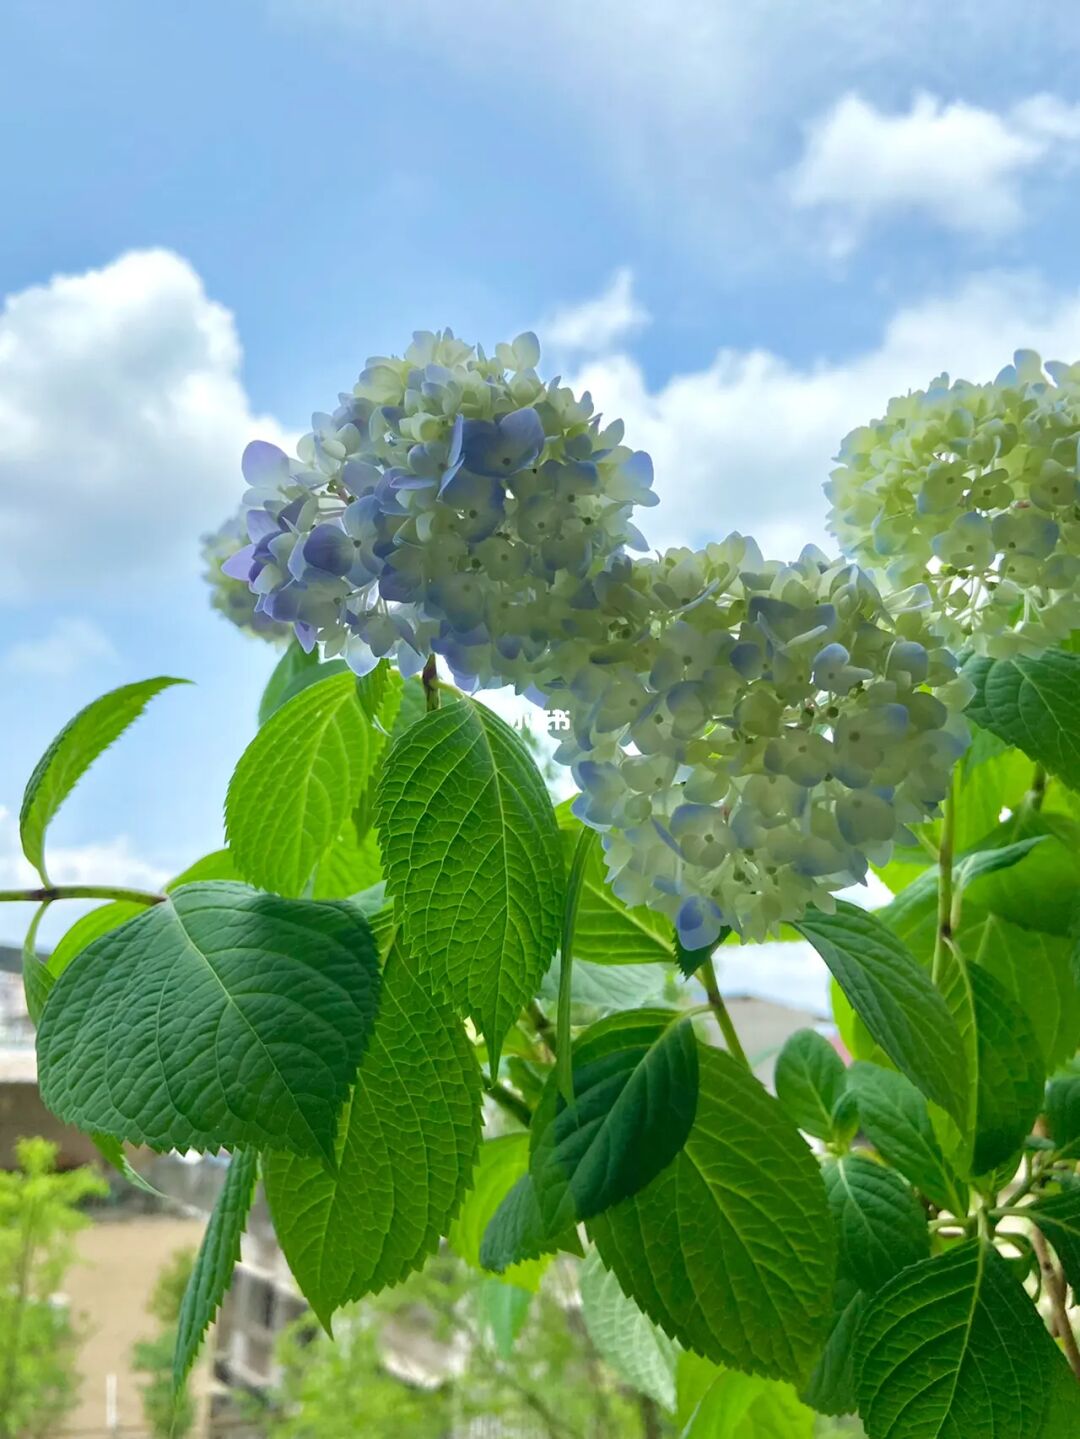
(1037, 970)
(1062, 1108)
(811, 1084)
(894, 1117)
(895, 999)
(1043, 889)
(1058, 1216)
(600, 989)
(87, 928)
(1010, 1073)
(216, 1260)
(716, 1403)
(502, 1164)
(635, 1095)
(1032, 702)
(221, 1017)
(348, 867)
(880, 1224)
(953, 1348)
(729, 1249)
(406, 1149)
(472, 856)
(72, 753)
(517, 1235)
(296, 785)
(608, 931)
(626, 1339)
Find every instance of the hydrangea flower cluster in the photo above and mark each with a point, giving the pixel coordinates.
(451, 503)
(973, 490)
(748, 735)
(754, 734)
(231, 597)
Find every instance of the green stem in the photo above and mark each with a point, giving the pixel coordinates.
(506, 1099)
(943, 938)
(720, 1011)
(429, 678)
(564, 1062)
(53, 892)
(1037, 793)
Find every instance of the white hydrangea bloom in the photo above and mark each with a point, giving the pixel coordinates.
(973, 491)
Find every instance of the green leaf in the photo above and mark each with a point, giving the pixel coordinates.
(406, 1149)
(37, 981)
(218, 864)
(880, 1225)
(1045, 885)
(831, 1387)
(502, 1310)
(1037, 970)
(72, 753)
(954, 1347)
(296, 785)
(1058, 1216)
(348, 867)
(501, 1164)
(1010, 1073)
(1032, 702)
(895, 999)
(220, 1017)
(1062, 1108)
(626, 1340)
(894, 1117)
(811, 1084)
(608, 931)
(87, 928)
(516, 1233)
(729, 1249)
(472, 856)
(215, 1262)
(600, 989)
(635, 1095)
(295, 669)
(717, 1403)
(112, 1151)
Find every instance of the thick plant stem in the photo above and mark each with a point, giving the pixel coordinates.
(429, 678)
(564, 1064)
(943, 937)
(1037, 793)
(53, 892)
(1054, 1284)
(720, 1012)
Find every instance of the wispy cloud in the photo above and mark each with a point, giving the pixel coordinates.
(595, 325)
(65, 647)
(958, 166)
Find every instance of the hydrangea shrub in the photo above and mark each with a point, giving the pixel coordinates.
(427, 1007)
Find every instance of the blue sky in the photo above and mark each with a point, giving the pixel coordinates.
(744, 226)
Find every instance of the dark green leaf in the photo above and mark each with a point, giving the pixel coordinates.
(472, 856)
(954, 1347)
(895, 999)
(1032, 702)
(1063, 1108)
(1010, 1073)
(296, 784)
(635, 1094)
(1058, 1216)
(811, 1084)
(831, 1387)
(220, 1017)
(729, 1248)
(217, 1257)
(894, 1117)
(72, 753)
(406, 1149)
(516, 1234)
(880, 1224)
(501, 1164)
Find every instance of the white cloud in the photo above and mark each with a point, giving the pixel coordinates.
(122, 421)
(595, 326)
(747, 442)
(65, 647)
(957, 165)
